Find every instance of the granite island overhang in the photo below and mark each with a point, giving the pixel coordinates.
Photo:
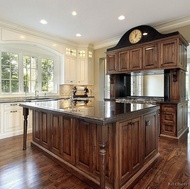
(106, 144)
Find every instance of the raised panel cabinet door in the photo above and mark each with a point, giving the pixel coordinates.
(82, 71)
(168, 53)
(84, 145)
(151, 139)
(136, 141)
(41, 128)
(67, 139)
(182, 56)
(125, 150)
(130, 148)
(70, 70)
(36, 130)
(45, 129)
(123, 61)
(111, 63)
(135, 59)
(13, 121)
(150, 56)
(56, 122)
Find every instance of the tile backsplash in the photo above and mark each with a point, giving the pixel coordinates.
(66, 90)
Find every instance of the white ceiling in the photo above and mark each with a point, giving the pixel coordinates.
(96, 21)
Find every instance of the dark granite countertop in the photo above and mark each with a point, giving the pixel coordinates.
(99, 112)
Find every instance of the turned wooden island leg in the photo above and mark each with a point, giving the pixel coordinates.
(103, 138)
(25, 114)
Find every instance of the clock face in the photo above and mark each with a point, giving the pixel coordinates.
(135, 36)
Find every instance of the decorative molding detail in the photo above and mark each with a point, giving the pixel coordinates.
(105, 43)
(174, 75)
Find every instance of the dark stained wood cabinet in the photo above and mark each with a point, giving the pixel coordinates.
(174, 119)
(84, 145)
(41, 131)
(130, 141)
(173, 53)
(55, 137)
(75, 143)
(151, 124)
(135, 59)
(123, 61)
(112, 63)
(177, 85)
(167, 53)
(67, 143)
(150, 56)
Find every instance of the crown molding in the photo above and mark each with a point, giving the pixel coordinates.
(167, 26)
(30, 31)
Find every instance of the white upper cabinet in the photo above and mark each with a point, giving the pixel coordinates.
(70, 66)
(79, 66)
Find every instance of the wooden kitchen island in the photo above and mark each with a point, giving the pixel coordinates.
(106, 144)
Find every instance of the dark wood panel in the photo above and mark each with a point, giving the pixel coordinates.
(84, 145)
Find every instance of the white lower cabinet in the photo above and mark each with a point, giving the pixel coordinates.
(12, 120)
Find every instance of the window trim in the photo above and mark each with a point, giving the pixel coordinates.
(50, 55)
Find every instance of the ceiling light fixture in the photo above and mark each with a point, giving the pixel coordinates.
(43, 21)
(122, 17)
(78, 35)
(74, 13)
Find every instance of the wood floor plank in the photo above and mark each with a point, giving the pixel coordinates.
(31, 169)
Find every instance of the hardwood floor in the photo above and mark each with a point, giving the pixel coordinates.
(31, 169)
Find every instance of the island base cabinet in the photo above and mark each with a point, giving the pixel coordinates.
(112, 156)
(41, 128)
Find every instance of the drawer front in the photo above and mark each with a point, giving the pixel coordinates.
(168, 128)
(170, 108)
(169, 116)
(10, 106)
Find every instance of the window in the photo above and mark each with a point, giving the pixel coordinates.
(9, 73)
(30, 71)
(47, 75)
(23, 73)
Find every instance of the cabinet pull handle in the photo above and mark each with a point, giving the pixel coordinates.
(13, 104)
(13, 111)
(149, 48)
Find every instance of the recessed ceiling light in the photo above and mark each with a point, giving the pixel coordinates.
(122, 17)
(74, 13)
(78, 35)
(43, 21)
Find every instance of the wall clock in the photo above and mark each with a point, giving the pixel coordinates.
(135, 36)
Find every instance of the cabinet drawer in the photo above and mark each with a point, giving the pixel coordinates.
(10, 106)
(169, 116)
(169, 128)
(167, 108)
